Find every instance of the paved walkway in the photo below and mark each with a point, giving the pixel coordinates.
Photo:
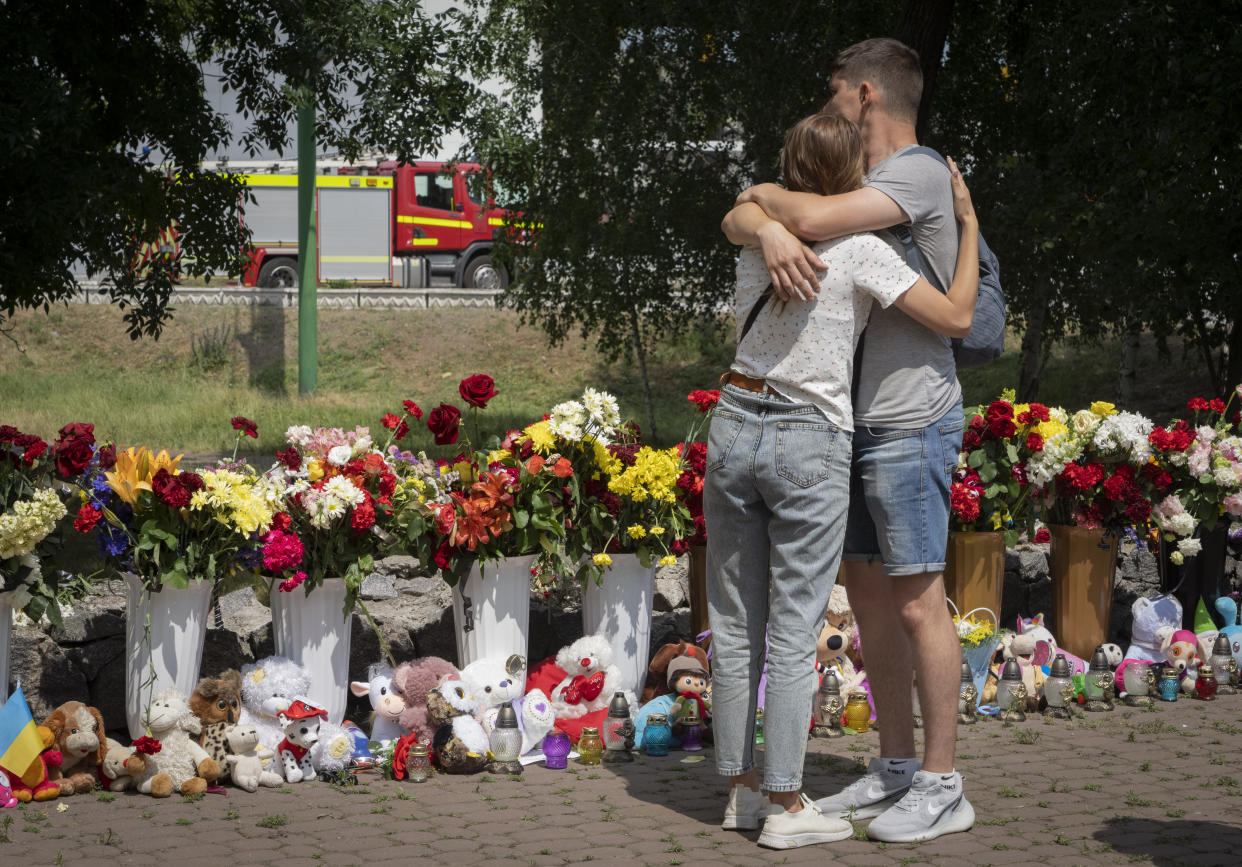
(1148, 787)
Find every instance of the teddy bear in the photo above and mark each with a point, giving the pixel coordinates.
(79, 736)
(494, 683)
(120, 765)
(180, 765)
(270, 686)
(34, 782)
(459, 743)
(216, 701)
(387, 704)
(249, 760)
(833, 648)
(590, 679)
(415, 680)
(535, 717)
(300, 722)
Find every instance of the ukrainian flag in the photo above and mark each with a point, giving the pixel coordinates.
(19, 742)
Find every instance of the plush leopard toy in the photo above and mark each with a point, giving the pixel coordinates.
(217, 703)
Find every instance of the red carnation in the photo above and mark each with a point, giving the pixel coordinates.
(971, 440)
(476, 390)
(88, 517)
(245, 425)
(443, 423)
(1034, 442)
(192, 482)
(147, 746)
(1216, 405)
(290, 458)
(281, 521)
(33, 447)
(169, 490)
(441, 555)
(1197, 404)
(704, 400)
(293, 582)
(412, 408)
(363, 517)
(8, 433)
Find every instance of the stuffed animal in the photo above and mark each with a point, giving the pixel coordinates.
(1032, 678)
(181, 765)
(494, 683)
(688, 680)
(1181, 653)
(840, 616)
(119, 767)
(415, 680)
(656, 682)
(387, 704)
(79, 733)
(300, 722)
(270, 686)
(834, 647)
(535, 717)
(459, 743)
(1227, 608)
(590, 679)
(34, 783)
(249, 760)
(216, 701)
(7, 798)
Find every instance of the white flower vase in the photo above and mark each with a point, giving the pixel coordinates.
(491, 610)
(620, 610)
(313, 631)
(6, 635)
(172, 656)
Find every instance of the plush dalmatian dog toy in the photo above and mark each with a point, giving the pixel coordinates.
(301, 724)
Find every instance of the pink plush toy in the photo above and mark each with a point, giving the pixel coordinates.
(413, 681)
(6, 793)
(1181, 652)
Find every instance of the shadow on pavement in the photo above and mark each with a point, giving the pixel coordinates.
(1175, 842)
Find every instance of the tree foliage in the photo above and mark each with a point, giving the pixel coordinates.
(104, 124)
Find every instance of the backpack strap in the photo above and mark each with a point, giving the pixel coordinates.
(755, 310)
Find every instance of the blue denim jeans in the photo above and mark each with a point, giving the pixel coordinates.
(775, 499)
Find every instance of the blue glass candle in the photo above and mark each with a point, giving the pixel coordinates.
(657, 735)
(1168, 684)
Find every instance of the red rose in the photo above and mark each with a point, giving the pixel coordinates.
(169, 490)
(77, 430)
(443, 422)
(562, 469)
(192, 482)
(290, 458)
(400, 754)
(971, 440)
(33, 446)
(1042, 535)
(1000, 419)
(88, 517)
(441, 555)
(245, 425)
(107, 457)
(412, 408)
(73, 455)
(477, 390)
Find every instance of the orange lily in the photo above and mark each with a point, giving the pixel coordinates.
(134, 470)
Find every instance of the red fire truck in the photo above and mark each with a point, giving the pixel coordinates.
(381, 225)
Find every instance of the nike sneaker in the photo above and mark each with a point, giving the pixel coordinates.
(933, 806)
(785, 830)
(881, 787)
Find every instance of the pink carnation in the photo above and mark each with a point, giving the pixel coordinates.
(1233, 504)
(281, 551)
(293, 582)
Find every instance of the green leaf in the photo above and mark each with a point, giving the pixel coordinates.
(987, 473)
(520, 518)
(1012, 451)
(976, 459)
(176, 578)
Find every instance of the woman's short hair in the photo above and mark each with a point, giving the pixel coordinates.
(823, 155)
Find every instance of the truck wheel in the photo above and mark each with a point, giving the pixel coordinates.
(281, 273)
(482, 274)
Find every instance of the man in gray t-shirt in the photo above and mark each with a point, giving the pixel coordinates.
(908, 431)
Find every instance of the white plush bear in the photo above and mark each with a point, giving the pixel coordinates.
(120, 766)
(536, 718)
(249, 759)
(494, 682)
(269, 686)
(590, 680)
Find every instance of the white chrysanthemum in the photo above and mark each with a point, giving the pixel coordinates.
(601, 407)
(1044, 466)
(344, 491)
(571, 412)
(565, 430)
(1189, 547)
(339, 456)
(1126, 433)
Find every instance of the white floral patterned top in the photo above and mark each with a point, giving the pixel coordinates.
(805, 349)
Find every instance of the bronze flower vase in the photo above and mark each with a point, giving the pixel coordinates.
(974, 571)
(1083, 565)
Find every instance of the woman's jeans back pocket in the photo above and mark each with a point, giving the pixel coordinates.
(720, 438)
(804, 451)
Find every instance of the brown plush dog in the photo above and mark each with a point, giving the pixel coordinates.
(656, 683)
(216, 702)
(79, 735)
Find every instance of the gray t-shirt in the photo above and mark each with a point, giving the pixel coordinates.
(908, 379)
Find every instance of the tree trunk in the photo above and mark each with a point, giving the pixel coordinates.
(1127, 368)
(1031, 364)
(1233, 364)
(640, 352)
(924, 27)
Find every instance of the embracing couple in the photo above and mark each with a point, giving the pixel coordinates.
(828, 439)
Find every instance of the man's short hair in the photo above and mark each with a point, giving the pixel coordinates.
(889, 64)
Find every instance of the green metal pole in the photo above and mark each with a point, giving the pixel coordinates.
(308, 277)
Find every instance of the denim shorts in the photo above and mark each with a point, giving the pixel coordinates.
(899, 495)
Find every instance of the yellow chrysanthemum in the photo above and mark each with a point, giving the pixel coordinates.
(541, 437)
(654, 475)
(602, 560)
(636, 531)
(497, 455)
(656, 531)
(1048, 429)
(668, 560)
(1103, 409)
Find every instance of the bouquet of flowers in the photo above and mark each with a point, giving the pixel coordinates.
(31, 511)
(690, 482)
(990, 491)
(1088, 471)
(333, 492)
(1194, 474)
(170, 526)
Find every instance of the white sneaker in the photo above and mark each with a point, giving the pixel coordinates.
(745, 810)
(785, 830)
(870, 795)
(934, 806)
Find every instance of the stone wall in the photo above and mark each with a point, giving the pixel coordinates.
(85, 661)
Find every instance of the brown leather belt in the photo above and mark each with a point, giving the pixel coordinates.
(741, 380)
